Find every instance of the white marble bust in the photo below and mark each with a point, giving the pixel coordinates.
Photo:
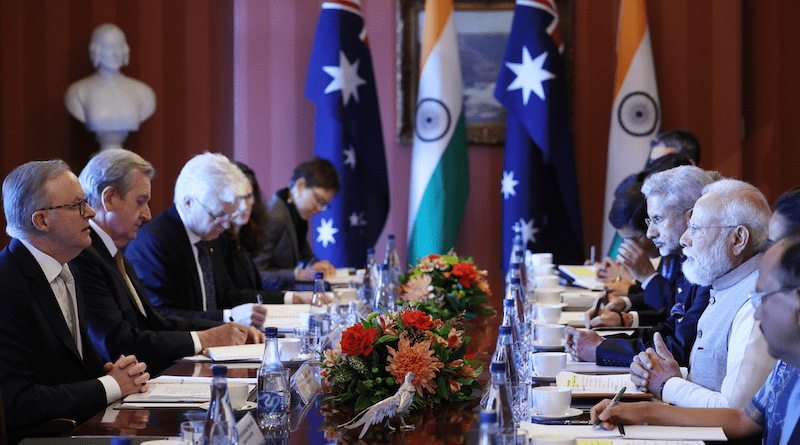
(108, 102)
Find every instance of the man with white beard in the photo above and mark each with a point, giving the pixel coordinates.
(729, 360)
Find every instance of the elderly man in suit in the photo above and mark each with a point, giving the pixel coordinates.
(177, 254)
(122, 319)
(48, 365)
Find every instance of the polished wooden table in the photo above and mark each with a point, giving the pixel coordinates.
(451, 424)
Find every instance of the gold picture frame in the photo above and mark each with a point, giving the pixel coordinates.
(483, 28)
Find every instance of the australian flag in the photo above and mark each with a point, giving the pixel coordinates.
(348, 133)
(539, 186)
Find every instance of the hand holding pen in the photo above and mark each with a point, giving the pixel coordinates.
(614, 401)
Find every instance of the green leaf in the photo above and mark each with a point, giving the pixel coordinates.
(386, 339)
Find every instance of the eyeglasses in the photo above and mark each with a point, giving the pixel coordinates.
(221, 218)
(756, 298)
(81, 205)
(324, 205)
(697, 231)
(656, 221)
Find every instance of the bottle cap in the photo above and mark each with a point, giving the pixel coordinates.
(219, 371)
(505, 330)
(318, 275)
(488, 416)
(391, 237)
(271, 332)
(508, 302)
(497, 367)
(370, 250)
(382, 266)
(515, 280)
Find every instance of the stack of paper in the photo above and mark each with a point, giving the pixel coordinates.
(632, 432)
(598, 385)
(285, 317)
(583, 276)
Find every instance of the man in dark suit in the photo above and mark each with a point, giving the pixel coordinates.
(670, 195)
(122, 319)
(177, 255)
(48, 365)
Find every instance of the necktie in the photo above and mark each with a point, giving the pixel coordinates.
(65, 283)
(121, 266)
(204, 258)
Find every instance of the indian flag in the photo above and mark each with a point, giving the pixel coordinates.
(636, 115)
(439, 165)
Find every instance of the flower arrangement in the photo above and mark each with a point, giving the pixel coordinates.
(446, 286)
(376, 354)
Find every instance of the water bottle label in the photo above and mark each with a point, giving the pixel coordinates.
(271, 402)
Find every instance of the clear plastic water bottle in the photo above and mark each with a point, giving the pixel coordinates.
(393, 267)
(514, 293)
(507, 352)
(499, 401)
(319, 304)
(273, 390)
(487, 434)
(220, 426)
(370, 276)
(384, 298)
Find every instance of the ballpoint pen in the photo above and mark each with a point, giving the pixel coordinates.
(613, 402)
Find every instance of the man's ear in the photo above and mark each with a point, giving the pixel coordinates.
(741, 237)
(106, 197)
(39, 220)
(300, 184)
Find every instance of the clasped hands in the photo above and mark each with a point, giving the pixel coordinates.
(307, 273)
(129, 373)
(652, 368)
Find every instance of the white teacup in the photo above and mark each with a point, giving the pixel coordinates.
(553, 439)
(546, 281)
(550, 334)
(289, 348)
(238, 392)
(548, 313)
(552, 400)
(539, 259)
(548, 364)
(547, 296)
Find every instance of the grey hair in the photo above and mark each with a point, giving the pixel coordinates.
(112, 168)
(679, 187)
(24, 193)
(743, 204)
(94, 45)
(207, 175)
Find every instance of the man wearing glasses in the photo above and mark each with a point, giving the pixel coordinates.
(287, 255)
(729, 360)
(49, 367)
(177, 254)
(773, 413)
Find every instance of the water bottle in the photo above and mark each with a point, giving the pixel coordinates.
(514, 293)
(384, 298)
(506, 352)
(319, 304)
(499, 401)
(517, 255)
(273, 390)
(487, 433)
(370, 276)
(220, 426)
(392, 262)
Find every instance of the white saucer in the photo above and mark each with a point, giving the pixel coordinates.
(247, 406)
(572, 412)
(543, 378)
(555, 303)
(539, 347)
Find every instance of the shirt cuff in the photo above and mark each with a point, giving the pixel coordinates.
(647, 280)
(198, 347)
(635, 322)
(288, 297)
(628, 304)
(113, 391)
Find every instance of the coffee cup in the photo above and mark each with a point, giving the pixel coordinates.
(548, 313)
(548, 364)
(546, 281)
(550, 334)
(539, 259)
(552, 400)
(238, 392)
(289, 348)
(547, 296)
(544, 269)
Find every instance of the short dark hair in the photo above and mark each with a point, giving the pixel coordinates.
(789, 262)
(788, 206)
(317, 172)
(629, 207)
(684, 141)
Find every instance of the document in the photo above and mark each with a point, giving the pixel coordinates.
(632, 432)
(583, 276)
(285, 317)
(599, 385)
(638, 442)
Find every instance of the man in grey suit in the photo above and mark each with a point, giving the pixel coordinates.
(48, 366)
(287, 255)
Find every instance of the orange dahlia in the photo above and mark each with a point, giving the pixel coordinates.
(418, 359)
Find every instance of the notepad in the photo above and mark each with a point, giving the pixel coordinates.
(627, 441)
(600, 385)
(632, 432)
(249, 352)
(285, 317)
(583, 276)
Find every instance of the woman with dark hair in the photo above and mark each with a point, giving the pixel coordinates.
(786, 215)
(247, 234)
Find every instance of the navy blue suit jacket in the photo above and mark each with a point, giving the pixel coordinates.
(42, 376)
(115, 323)
(679, 329)
(163, 259)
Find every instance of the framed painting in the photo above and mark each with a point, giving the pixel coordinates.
(482, 29)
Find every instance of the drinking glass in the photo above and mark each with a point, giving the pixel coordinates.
(519, 394)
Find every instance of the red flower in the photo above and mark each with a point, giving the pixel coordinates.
(358, 341)
(466, 273)
(417, 319)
